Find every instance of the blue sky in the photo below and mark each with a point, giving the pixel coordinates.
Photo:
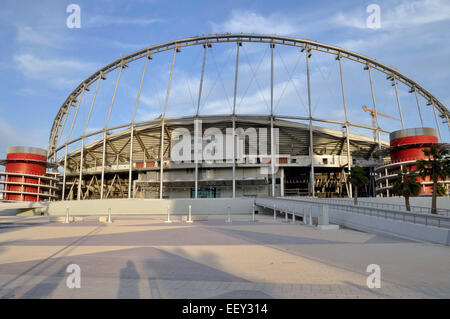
(42, 60)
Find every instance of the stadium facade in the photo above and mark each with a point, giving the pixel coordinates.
(298, 156)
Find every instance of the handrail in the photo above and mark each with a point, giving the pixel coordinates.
(400, 207)
(405, 216)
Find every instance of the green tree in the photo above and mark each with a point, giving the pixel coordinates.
(441, 190)
(436, 167)
(406, 186)
(357, 178)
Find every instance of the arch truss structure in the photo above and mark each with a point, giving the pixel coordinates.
(131, 159)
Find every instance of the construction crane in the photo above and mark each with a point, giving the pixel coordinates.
(374, 120)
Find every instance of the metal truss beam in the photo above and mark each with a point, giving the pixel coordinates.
(243, 37)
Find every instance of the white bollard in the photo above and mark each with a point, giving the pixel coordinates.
(274, 212)
(286, 216)
(310, 216)
(253, 214)
(66, 221)
(109, 221)
(190, 215)
(228, 220)
(293, 216)
(168, 215)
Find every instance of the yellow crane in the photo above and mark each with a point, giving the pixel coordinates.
(374, 121)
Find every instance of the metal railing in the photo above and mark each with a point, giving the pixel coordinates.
(399, 207)
(404, 216)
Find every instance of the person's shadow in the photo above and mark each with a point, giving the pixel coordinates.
(129, 282)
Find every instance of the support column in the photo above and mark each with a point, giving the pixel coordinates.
(81, 169)
(66, 115)
(418, 107)
(197, 139)
(311, 145)
(68, 140)
(130, 169)
(282, 182)
(347, 134)
(101, 77)
(234, 117)
(398, 101)
(375, 108)
(64, 175)
(272, 142)
(104, 130)
(272, 156)
(161, 154)
(437, 121)
(205, 46)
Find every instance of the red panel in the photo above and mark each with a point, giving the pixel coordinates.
(146, 164)
(414, 140)
(24, 163)
(412, 149)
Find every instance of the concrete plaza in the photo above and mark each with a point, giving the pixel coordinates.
(143, 257)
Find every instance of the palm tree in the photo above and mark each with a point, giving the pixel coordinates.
(406, 186)
(357, 177)
(437, 167)
(441, 190)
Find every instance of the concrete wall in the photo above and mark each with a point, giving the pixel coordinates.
(391, 227)
(367, 223)
(149, 206)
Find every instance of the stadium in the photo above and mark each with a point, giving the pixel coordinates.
(305, 152)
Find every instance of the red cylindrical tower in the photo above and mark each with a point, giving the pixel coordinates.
(407, 144)
(23, 171)
(407, 147)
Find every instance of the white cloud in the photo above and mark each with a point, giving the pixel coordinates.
(10, 136)
(247, 21)
(28, 35)
(61, 72)
(416, 13)
(103, 20)
(26, 91)
(404, 15)
(350, 20)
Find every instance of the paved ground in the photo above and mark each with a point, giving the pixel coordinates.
(143, 257)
